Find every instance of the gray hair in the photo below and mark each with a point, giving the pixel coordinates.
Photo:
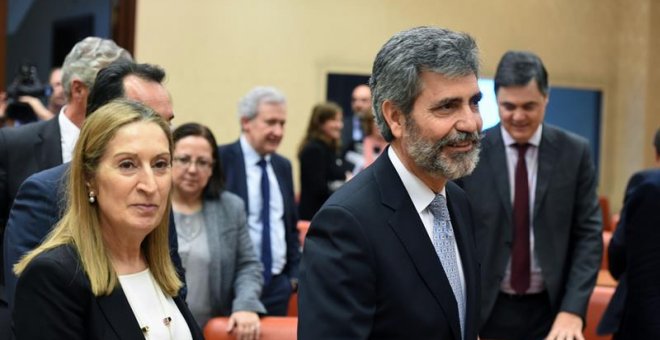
(249, 104)
(86, 58)
(399, 63)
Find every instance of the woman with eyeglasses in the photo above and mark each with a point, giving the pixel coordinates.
(223, 273)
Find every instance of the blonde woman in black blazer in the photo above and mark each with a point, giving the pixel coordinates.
(105, 272)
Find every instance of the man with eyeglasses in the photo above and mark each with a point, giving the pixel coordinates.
(40, 200)
(264, 180)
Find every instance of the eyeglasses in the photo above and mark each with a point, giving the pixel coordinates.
(200, 163)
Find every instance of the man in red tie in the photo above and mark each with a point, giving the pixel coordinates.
(534, 201)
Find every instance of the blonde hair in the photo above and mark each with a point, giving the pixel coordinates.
(80, 226)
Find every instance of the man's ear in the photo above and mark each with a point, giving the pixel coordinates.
(244, 123)
(78, 89)
(393, 117)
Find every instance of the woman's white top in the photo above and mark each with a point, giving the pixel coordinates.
(157, 314)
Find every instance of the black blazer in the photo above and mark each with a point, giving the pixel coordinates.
(634, 258)
(321, 169)
(39, 204)
(369, 269)
(233, 166)
(567, 219)
(25, 150)
(54, 301)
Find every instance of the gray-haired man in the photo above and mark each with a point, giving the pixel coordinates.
(392, 253)
(263, 179)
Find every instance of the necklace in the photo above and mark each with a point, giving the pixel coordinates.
(162, 304)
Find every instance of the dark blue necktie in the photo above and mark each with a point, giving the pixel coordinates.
(266, 254)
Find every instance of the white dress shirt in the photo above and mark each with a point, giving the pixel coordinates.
(69, 133)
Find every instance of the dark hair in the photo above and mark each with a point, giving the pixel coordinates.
(656, 142)
(397, 69)
(216, 183)
(321, 113)
(518, 68)
(109, 83)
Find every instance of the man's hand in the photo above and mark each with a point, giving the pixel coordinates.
(567, 326)
(244, 325)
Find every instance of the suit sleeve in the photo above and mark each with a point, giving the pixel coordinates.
(586, 240)
(249, 277)
(4, 186)
(33, 215)
(337, 283)
(616, 251)
(49, 303)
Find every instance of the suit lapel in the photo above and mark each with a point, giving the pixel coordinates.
(494, 153)
(465, 242)
(548, 154)
(48, 147)
(119, 315)
(237, 178)
(408, 227)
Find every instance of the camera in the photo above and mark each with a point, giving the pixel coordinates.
(26, 83)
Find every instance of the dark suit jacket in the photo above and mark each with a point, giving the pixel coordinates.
(54, 301)
(634, 258)
(320, 169)
(39, 204)
(25, 150)
(566, 218)
(233, 166)
(369, 269)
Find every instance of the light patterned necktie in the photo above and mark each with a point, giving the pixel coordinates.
(444, 244)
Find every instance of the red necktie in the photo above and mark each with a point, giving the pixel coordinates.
(520, 261)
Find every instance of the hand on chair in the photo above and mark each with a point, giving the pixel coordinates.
(244, 325)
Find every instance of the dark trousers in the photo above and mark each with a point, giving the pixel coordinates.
(275, 295)
(519, 317)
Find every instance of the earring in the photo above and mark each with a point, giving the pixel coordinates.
(92, 198)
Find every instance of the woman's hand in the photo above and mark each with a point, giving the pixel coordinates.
(244, 325)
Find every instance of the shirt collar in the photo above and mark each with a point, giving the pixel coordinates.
(420, 194)
(251, 156)
(535, 140)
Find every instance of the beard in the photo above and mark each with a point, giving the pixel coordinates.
(429, 155)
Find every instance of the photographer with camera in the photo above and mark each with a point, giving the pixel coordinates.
(23, 103)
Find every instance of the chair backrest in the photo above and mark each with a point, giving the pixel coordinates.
(598, 302)
(303, 226)
(293, 305)
(272, 328)
(607, 236)
(605, 210)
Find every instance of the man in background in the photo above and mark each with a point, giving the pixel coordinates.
(352, 134)
(534, 200)
(264, 180)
